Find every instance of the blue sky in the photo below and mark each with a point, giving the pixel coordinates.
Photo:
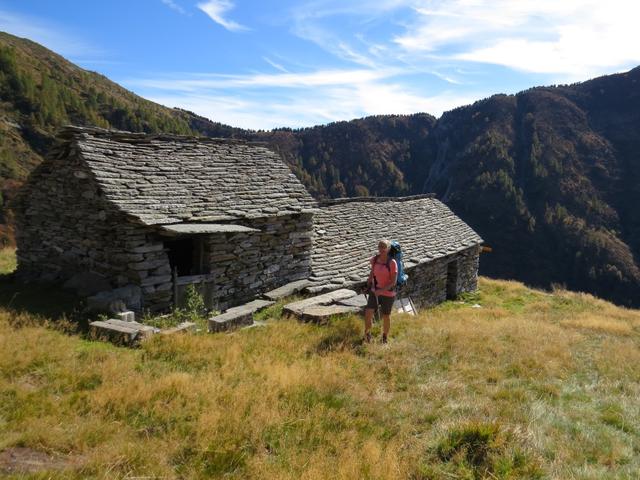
(266, 64)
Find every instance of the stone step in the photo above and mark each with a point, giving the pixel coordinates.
(138, 327)
(316, 288)
(237, 317)
(286, 290)
(359, 301)
(296, 308)
(322, 313)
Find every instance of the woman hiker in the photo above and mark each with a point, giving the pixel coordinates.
(382, 289)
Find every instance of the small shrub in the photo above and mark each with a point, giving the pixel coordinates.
(480, 450)
(194, 303)
(473, 441)
(194, 311)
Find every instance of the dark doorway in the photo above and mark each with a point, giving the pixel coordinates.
(452, 280)
(186, 254)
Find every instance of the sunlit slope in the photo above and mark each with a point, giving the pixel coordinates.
(527, 385)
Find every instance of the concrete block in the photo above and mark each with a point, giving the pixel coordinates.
(126, 316)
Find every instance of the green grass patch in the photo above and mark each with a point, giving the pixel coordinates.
(614, 416)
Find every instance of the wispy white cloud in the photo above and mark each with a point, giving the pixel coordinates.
(216, 10)
(312, 21)
(275, 65)
(295, 99)
(50, 35)
(571, 38)
(565, 40)
(317, 78)
(318, 107)
(174, 6)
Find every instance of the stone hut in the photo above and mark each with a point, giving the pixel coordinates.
(441, 252)
(147, 215)
(154, 213)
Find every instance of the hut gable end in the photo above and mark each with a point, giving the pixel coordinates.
(65, 225)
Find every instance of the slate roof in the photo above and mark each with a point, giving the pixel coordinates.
(164, 179)
(347, 231)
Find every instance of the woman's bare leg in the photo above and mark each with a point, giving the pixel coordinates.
(368, 317)
(386, 324)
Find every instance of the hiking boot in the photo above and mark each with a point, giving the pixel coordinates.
(367, 337)
(384, 338)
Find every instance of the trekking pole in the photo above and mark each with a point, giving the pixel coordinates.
(367, 294)
(377, 311)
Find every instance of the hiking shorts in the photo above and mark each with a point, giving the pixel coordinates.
(386, 303)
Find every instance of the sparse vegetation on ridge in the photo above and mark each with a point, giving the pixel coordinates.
(530, 385)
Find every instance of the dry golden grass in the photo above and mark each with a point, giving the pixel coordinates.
(531, 385)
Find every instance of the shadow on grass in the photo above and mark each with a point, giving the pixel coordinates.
(41, 301)
(342, 334)
(478, 450)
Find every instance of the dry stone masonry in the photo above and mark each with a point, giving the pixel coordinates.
(131, 220)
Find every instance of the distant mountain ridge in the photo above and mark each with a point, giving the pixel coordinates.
(549, 177)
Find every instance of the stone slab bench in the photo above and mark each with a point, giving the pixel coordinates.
(297, 308)
(237, 317)
(286, 290)
(121, 331)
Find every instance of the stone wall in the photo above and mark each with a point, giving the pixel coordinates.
(243, 265)
(427, 283)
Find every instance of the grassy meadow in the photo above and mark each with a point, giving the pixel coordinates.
(530, 384)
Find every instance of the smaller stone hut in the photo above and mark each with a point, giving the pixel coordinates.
(154, 213)
(441, 252)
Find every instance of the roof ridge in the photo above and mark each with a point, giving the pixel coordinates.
(68, 132)
(337, 201)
